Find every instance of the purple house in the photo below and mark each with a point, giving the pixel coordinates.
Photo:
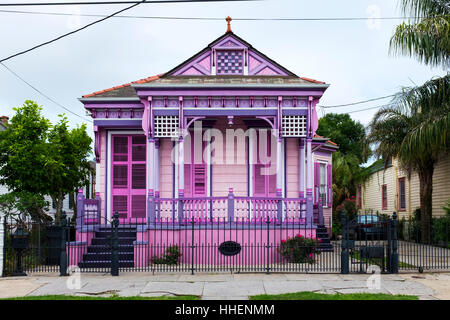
(225, 140)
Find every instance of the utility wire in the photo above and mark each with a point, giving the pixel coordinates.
(359, 102)
(72, 32)
(203, 18)
(42, 93)
(108, 2)
(370, 108)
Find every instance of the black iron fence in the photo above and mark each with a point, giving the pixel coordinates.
(368, 243)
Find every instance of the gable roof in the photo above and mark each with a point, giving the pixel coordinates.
(282, 76)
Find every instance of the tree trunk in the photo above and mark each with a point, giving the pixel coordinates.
(426, 201)
(59, 206)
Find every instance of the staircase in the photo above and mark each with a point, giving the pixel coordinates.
(322, 234)
(99, 251)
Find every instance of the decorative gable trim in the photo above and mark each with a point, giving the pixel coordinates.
(253, 61)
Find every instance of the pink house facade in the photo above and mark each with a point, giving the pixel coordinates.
(226, 137)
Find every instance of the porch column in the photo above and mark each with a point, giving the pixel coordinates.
(181, 167)
(301, 169)
(309, 182)
(279, 167)
(150, 180)
(157, 168)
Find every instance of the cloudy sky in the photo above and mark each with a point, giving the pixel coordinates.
(352, 56)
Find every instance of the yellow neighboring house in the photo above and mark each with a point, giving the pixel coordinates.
(388, 189)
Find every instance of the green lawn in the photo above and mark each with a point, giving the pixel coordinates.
(338, 296)
(113, 297)
(378, 261)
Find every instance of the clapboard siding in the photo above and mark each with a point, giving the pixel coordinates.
(371, 190)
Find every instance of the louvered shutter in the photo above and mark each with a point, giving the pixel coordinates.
(329, 185)
(316, 181)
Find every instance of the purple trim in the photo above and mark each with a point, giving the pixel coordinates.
(106, 176)
(293, 112)
(118, 123)
(264, 64)
(140, 242)
(325, 154)
(76, 243)
(224, 91)
(231, 111)
(114, 105)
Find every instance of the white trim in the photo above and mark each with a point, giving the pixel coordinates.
(108, 168)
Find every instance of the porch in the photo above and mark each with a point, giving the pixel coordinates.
(230, 211)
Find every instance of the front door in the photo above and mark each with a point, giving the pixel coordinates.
(129, 177)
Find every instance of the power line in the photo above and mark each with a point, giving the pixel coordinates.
(72, 32)
(204, 18)
(108, 2)
(42, 93)
(371, 108)
(359, 102)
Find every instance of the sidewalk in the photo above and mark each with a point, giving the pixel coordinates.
(226, 286)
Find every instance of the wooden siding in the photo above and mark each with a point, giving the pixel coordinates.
(166, 168)
(292, 155)
(371, 190)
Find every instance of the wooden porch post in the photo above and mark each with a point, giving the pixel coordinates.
(157, 168)
(279, 180)
(309, 182)
(301, 169)
(150, 181)
(180, 178)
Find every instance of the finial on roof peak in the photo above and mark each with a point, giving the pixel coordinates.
(228, 19)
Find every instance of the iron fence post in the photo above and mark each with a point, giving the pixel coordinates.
(115, 246)
(80, 207)
(63, 255)
(3, 248)
(345, 244)
(268, 246)
(394, 257)
(151, 207)
(180, 208)
(192, 245)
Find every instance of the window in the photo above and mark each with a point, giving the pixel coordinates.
(264, 177)
(401, 194)
(195, 171)
(384, 199)
(323, 183)
(359, 197)
(129, 175)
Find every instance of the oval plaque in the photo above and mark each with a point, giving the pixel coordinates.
(229, 248)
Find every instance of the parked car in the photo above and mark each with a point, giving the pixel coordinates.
(367, 226)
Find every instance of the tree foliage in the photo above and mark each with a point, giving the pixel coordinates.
(38, 159)
(427, 35)
(353, 151)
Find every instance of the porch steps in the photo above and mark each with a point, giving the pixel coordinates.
(99, 251)
(325, 243)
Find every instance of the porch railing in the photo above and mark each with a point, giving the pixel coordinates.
(88, 210)
(236, 209)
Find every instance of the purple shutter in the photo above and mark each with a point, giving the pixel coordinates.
(329, 185)
(316, 181)
(259, 180)
(187, 180)
(138, 205)
(199, 184)
(120, 205)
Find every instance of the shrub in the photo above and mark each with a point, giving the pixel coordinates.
(350, 208)
(171, 256)
(299, 249)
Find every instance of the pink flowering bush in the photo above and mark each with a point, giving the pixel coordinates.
(299, 249)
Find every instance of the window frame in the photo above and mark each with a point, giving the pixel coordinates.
(384, 195)
(400, 208)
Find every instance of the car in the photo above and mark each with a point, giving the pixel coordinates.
(367, 227)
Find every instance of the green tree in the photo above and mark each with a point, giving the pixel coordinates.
(38, 159)
(68, 166)
(22, 154)
(415, 130)
(426, 36)
(354, 150)
(415, 127)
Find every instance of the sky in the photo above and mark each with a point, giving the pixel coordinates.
(352, 56)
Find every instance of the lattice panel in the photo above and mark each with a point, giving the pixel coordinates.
(229, 62)
(294, 126)
(166, 126)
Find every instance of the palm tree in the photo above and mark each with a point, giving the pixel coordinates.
(427, 36)
(414, 128)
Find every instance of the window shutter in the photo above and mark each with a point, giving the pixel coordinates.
(329, 185)
(138, 206)
(316, 181)
(199, 180)
(187, 180)
(120, 204)
(120, 176)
